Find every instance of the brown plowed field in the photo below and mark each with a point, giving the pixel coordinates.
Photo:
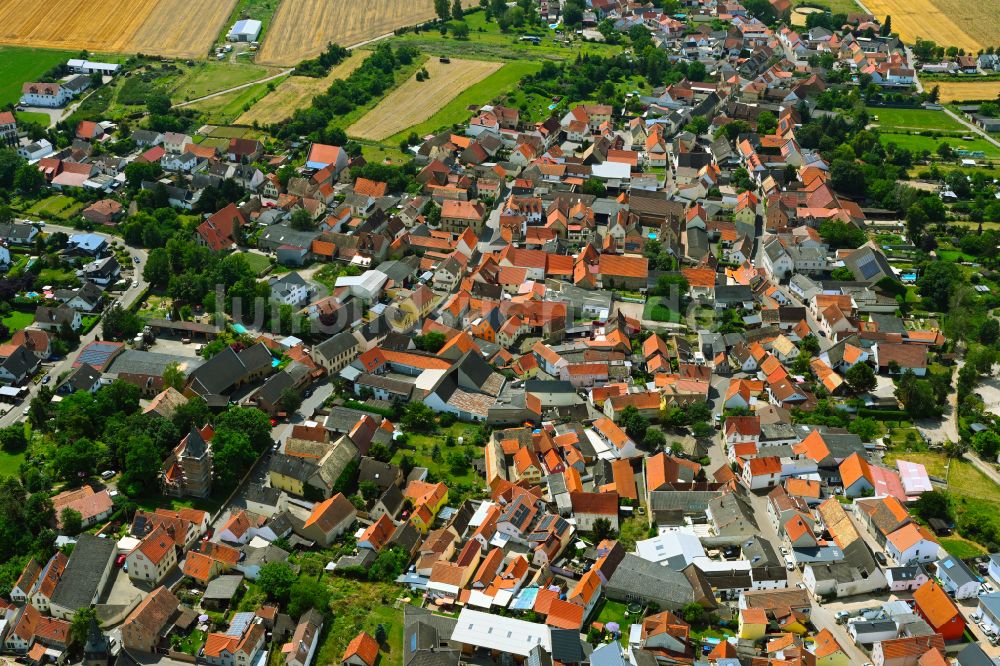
(174, 28)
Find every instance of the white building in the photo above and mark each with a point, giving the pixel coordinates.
(366, 286)
(291, 290)
(499, 634)
(36, 151)
(247, 30)
(90, 67)
(49, 95)
(153, 558)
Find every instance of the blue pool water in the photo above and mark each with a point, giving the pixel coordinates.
(240, 328)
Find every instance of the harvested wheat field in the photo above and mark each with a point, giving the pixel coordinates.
(961, 91)
(296, 92)
(968, 25)
(175, 28)
(416, 101)
(301, 29)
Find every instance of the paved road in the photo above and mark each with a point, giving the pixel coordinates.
(969, 126)
(219, 93)
(54, 370)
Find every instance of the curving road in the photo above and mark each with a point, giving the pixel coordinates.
(127, 298)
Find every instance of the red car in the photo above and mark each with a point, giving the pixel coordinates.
(120, 560)
(273, 422)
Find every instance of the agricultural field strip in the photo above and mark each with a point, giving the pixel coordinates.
(302, 28)
(296, 92)
(162, 27)
(960, 91)
(416, 101)
(933, 19)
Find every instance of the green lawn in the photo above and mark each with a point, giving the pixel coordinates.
(835, 6)
(710, 632)
(20, 65)
(457, 110)
(613, 611)
(258, 262)
(954, 256)
(58, 277)
(357, 606)
(32, 117)
(421, 447)
(153, 502)
(192, 642)
(917, 119)
(378, 153)
(226, 108)
(212, 76)
(59, 207)
(10, 463)
(936, 463)
(655, 310)
(917, 143)
(961, 548)
(17, 320)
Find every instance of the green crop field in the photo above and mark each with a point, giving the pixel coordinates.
(914, 119)
(483, 92)
(22, 65)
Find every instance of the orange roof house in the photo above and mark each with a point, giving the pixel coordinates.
(361, 651)
(856, 476)
(564, 615)
(940, 612)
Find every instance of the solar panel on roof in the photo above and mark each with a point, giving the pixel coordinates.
(868, 266)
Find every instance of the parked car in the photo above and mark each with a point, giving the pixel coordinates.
(120, 560)
(880, 557)
(107, 474)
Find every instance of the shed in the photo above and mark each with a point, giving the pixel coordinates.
(220, 592)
